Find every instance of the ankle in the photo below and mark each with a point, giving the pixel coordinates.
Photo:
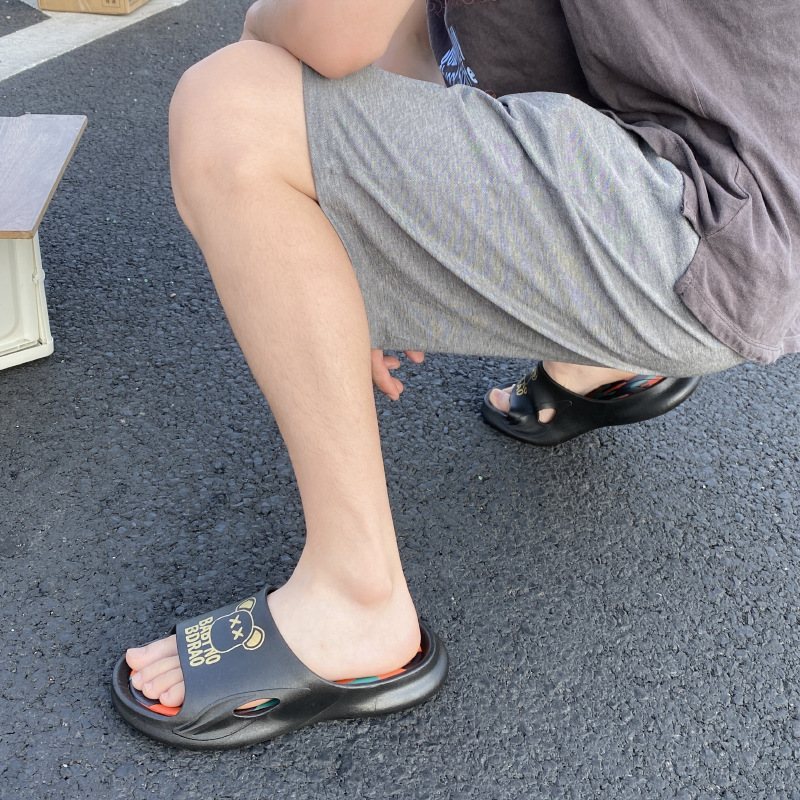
(340, 636)
(363, 587)
(364, 572)
(371, 595)
(581, 379)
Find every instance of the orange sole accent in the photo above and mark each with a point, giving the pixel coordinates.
(167, 711)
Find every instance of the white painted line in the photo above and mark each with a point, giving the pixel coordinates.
(63, 32)
(35, 4)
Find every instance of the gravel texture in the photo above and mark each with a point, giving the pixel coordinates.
(621, 611)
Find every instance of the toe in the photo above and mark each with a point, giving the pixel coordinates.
(156, 671)
(140, 658)
(162, 686)
(175, 696)
(501, 399)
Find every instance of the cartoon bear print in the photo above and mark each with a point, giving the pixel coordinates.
(210, 638)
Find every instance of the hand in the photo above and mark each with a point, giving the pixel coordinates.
(383, 379)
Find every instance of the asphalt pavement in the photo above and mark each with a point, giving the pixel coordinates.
(621, 611)
(16, 15)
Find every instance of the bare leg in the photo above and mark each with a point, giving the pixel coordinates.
(243, 184)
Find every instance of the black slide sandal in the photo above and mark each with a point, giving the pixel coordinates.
(236, 656)
(576, 414)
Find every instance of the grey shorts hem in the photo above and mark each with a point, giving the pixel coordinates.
(526, 227)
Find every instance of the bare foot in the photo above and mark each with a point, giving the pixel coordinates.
(576, 378)
(334, 638)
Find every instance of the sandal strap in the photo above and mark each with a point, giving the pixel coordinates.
(534, 392)
(234, 656)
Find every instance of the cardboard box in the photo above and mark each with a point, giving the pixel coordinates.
(92, 6)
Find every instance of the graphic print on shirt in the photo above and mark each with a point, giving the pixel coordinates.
(452, 65)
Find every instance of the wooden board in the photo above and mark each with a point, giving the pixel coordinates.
(34, 152)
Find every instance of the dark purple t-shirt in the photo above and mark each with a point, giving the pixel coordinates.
(711, 85)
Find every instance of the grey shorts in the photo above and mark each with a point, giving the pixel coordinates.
(531, 226)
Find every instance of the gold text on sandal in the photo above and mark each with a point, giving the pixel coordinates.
(211, 638)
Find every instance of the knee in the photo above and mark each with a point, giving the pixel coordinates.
(233, 116)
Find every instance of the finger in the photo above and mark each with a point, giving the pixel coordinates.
(375, 357)
(391, 362)
(389, 385)
(384, 381)
(417, 356)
